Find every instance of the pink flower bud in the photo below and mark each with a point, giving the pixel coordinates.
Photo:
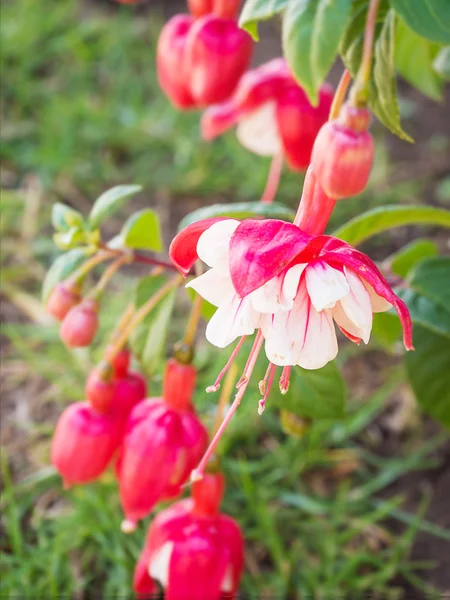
(83, 443)
(120, 362)
(217, 54)
(80, 324)
(221, 8)
(129, 391)
(63, 297)
(172, 76)
(179, 384)
(100, 387)
(343, 153)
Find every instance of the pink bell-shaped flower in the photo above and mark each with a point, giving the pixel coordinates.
(272, 113)
(164, 440)
(84, 443)
(192, 549)
(217, 54)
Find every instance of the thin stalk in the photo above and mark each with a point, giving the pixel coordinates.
(109, 273)
(339, 95)
(273, 179)
(224, 397)
(90, 264)
(360, 91)
(140, 258)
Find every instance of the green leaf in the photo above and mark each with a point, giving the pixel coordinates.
(312, 30)
(142, 230)
(65, 217)
(259, 10)
(428, 373)
(414, 56)
(428, 18)
(442, 63)
(407, 257)
(110, 202)
(318, 394)
(148, 340)
(62, 267)
(386, 329)
(239, 210)
(426, 312)
(431, 277)
(383, 218)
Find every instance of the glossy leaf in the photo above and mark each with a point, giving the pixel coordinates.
(386, 329)
(65, 217)
(407, 257)
(63, 266)
(442, 63)
(110, 202)
(142, 230)
(239, 210)
(428, 18)
(431, 277)
(259, 10)
(383, 218)
(429, 373)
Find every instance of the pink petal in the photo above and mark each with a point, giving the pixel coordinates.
(259, 250)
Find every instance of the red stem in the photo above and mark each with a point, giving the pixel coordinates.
(273, 179)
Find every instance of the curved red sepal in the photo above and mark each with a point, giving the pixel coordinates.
(259, 250)
(183, 249)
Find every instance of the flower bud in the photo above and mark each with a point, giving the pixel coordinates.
(80, 324)
(207, 494)
(120, 361)
(63, 297)
(172, 76)
(100, 387)
(179, 384)
(128, 392)
(343, 153)
(83, 443)
(221, 8)
(217, 54)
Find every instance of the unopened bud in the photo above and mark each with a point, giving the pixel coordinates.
(80, 324)
(63, 297)
(100, 387)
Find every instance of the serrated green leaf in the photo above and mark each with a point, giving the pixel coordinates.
(62, 267)
(110, 202)
(383, 218)
(239, 210)
(259, 10)
(428, 18)
(414, 56)
(407, 257)
(442, 63)
(428, 373)
(65, 217)
(142, 231)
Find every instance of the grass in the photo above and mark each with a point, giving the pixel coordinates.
(81, 112)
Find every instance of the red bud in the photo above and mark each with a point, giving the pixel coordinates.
(129, 391)
(217, 54)
(179, 384)
(343, 153)
(83, 443)
(63, 297)
(80, 324)
(207, 494)
(121, 363)
(221, 8)
(100, 387)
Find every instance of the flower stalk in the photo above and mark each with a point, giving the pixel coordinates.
(273, 179)
(360, 92)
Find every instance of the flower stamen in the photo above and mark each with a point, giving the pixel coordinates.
(216, 385)
(285, 380)
(265, 385)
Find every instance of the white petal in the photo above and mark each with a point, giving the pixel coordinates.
(159, 566)
(357, 306)
(215, 286)
(258, 131)
(266, 299)
(213, 245)
(379, 304)
(325, 285)
(343, 321)
(231, 320)
(320, 344)
(290, 285)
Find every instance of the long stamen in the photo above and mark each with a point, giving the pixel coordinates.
(216, 385)
(262, 385)
(270, 373)
(197, 473)
(285, 380)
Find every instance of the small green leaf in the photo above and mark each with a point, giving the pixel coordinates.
(383, 218)
(148, 340)
(428, 18)
(442, 63)
(142, 230)
(318, 394)
(259, 10)
(65, 217)
(407, 257)
(239, 210)
(110, 202)
(62, 267)
(414, 56)
(428, 373)
(69, 239)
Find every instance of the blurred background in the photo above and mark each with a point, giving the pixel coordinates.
(348, 508)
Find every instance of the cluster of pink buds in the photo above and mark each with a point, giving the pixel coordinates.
(200, 58)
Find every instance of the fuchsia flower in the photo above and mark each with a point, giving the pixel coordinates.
(164, 439)
(192, 549)
(272, 114)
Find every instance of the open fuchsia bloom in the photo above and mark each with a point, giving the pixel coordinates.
(272, 114)
(192, 549)
(164, 440)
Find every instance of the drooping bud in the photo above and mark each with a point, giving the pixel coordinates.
(170, 56)
(128, 392)
(343, 153)
(179, 384)
(83, 443)
(63, 297)
(80, 324)
(220, 8)
(217, 54)
(100, 387)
